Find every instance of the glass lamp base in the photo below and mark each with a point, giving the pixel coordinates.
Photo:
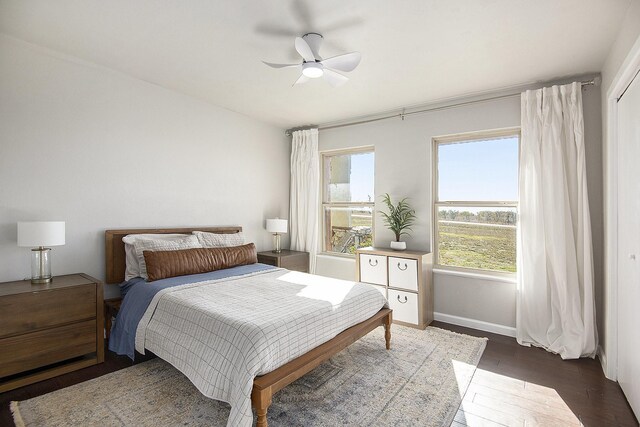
(40, 265)
(278, 248)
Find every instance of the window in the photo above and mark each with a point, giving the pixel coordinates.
(476, 201)
(347, 200)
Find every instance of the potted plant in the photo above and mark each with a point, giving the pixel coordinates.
(400, 218)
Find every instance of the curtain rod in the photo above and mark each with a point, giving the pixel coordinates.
(593, 82)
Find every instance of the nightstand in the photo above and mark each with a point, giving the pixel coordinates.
(291, 260)
(49, 329)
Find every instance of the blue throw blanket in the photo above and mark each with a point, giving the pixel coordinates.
(137, 294)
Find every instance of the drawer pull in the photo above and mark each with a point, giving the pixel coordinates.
(403, 269)
(372, 264)
(402, 302)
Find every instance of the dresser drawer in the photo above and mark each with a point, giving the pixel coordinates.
(373, 269)
(403, 273)
(404, 306)
(46, 308)
(29, 351)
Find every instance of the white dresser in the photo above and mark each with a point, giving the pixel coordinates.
(404, 278)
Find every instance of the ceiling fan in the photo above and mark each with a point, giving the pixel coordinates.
(313, 66)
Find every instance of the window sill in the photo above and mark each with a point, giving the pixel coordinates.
(474, 275)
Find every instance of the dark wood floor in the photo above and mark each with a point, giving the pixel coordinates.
(528, 386)
(513, 386)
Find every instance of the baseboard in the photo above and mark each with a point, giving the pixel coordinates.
(475, 324)
(603, 359)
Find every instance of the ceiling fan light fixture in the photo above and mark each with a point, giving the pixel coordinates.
(313, 66)
(312, 70)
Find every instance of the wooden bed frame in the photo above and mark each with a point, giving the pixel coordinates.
(266, 385)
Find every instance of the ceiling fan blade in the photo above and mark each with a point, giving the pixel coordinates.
(304, 50)
(346, 62)
(314, 41)
(301, 79)
(333, 78)
(272, 65)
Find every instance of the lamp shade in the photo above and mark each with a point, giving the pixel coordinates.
(41, 233)
(277, 225)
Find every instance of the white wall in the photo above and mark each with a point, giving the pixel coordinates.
(100, 150)
(627, 35)
(403, 168)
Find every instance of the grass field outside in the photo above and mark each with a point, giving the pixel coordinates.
(480, 246)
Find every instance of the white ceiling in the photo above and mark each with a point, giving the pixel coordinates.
(413, 51)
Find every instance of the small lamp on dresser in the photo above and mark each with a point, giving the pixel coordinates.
(277, 226)
(38, 235)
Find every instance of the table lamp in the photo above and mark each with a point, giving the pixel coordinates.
(277, 226)
(40, 234)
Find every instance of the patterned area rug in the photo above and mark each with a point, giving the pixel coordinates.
(420, 381)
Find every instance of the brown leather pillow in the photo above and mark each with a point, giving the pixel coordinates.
(163, 264)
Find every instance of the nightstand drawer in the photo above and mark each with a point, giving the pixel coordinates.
(267, 260)
(29, 351)
(30, 311)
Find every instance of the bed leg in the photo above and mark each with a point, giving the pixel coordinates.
(387, 331)
(261, 400)
(262, 417)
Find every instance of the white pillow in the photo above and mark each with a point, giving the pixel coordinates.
(131, 259)
(215, 240)
(141, 245)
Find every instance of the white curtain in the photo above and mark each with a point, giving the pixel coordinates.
(555, 306)
(305, 188)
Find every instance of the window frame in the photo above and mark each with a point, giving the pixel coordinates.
(458, 138)
(324, 196)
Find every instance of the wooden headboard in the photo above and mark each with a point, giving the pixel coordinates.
(115, 257)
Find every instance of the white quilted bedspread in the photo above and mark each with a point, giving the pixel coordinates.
(222, 334)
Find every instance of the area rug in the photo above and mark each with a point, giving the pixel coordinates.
(420, 381)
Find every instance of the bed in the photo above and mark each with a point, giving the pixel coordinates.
(257, 277)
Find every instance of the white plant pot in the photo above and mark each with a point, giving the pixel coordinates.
(398, 246)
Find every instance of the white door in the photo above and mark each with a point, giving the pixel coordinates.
(629, 244)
